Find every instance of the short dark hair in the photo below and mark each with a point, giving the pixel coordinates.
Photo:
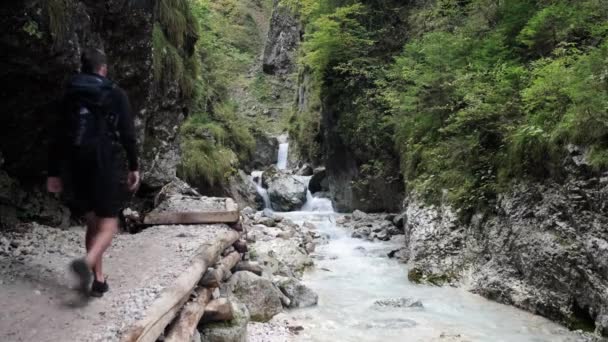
(92, 60)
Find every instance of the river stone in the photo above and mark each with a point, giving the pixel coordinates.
(400, 220)
(361, 233)
(261, 297)
(288, 252)
(233, 331)
(359, 215)
(174, 188)
(300, 295)
(286, 192)
(382, 235)
(266, 221)
(398, 303)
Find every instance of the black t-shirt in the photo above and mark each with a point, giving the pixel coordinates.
(118, 105)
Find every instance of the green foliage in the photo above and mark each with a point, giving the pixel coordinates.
(178, 20)
(31, 28)
(483, 93)
(214, 139)
(335, 38)
(173, 59)
(167, 63)
(205, 162)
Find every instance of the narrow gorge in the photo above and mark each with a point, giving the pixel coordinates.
(429, 170)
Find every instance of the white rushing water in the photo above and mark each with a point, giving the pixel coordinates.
(351, 274)
(282, 156)
(317, 204)
(256, 178)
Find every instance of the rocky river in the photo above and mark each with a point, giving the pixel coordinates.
(363, 295)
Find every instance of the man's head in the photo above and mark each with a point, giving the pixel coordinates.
(94, 61)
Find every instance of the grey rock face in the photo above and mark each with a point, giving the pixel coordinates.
(266, 151)
(283, 40)
(305, 170)
(243, 191)
(287, 192)
(262, 298)
(544, 250)
(318, 182)
(17, 205)
(233, 331)
(371, 226)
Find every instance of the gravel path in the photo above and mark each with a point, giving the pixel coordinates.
(36, 285)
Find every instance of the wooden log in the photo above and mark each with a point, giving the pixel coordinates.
(211, 279)
(248, 266)
(203, 217)
(218, 310)
(163, 309)
(241, 246)
(214, 277)
(186, 323)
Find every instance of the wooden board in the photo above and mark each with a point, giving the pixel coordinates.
(165, 308)
(229, 215)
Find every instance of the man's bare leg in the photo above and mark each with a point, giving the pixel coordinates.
(106, 228)
(91, 235)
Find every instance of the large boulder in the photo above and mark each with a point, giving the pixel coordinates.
(287, 192)
(288, 252)
(262, 298)
(300, 296)
(243, 191)
(233, 331)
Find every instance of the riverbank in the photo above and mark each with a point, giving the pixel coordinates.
(366, 296)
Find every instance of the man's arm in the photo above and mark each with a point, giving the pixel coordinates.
(126, 130)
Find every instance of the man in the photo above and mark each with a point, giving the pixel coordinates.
(95, 115)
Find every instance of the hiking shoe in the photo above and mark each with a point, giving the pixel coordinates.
(98, 288)
(82, 271)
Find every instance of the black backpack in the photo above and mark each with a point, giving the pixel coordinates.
(91, 122)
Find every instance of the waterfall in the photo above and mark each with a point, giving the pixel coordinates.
(256, 178)
(282, 157)
(317, 204)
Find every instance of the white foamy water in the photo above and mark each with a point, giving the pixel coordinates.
(256, 178)
(351, 274)
(282, 156)
(317, 204)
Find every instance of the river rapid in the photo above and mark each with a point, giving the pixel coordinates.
(350, 275)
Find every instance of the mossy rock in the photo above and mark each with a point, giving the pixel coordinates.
(418, 276)
(231, 331)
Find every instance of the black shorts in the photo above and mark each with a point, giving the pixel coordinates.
(95, 182)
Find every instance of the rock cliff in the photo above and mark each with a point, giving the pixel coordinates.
(544, 248)
(43, 41)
